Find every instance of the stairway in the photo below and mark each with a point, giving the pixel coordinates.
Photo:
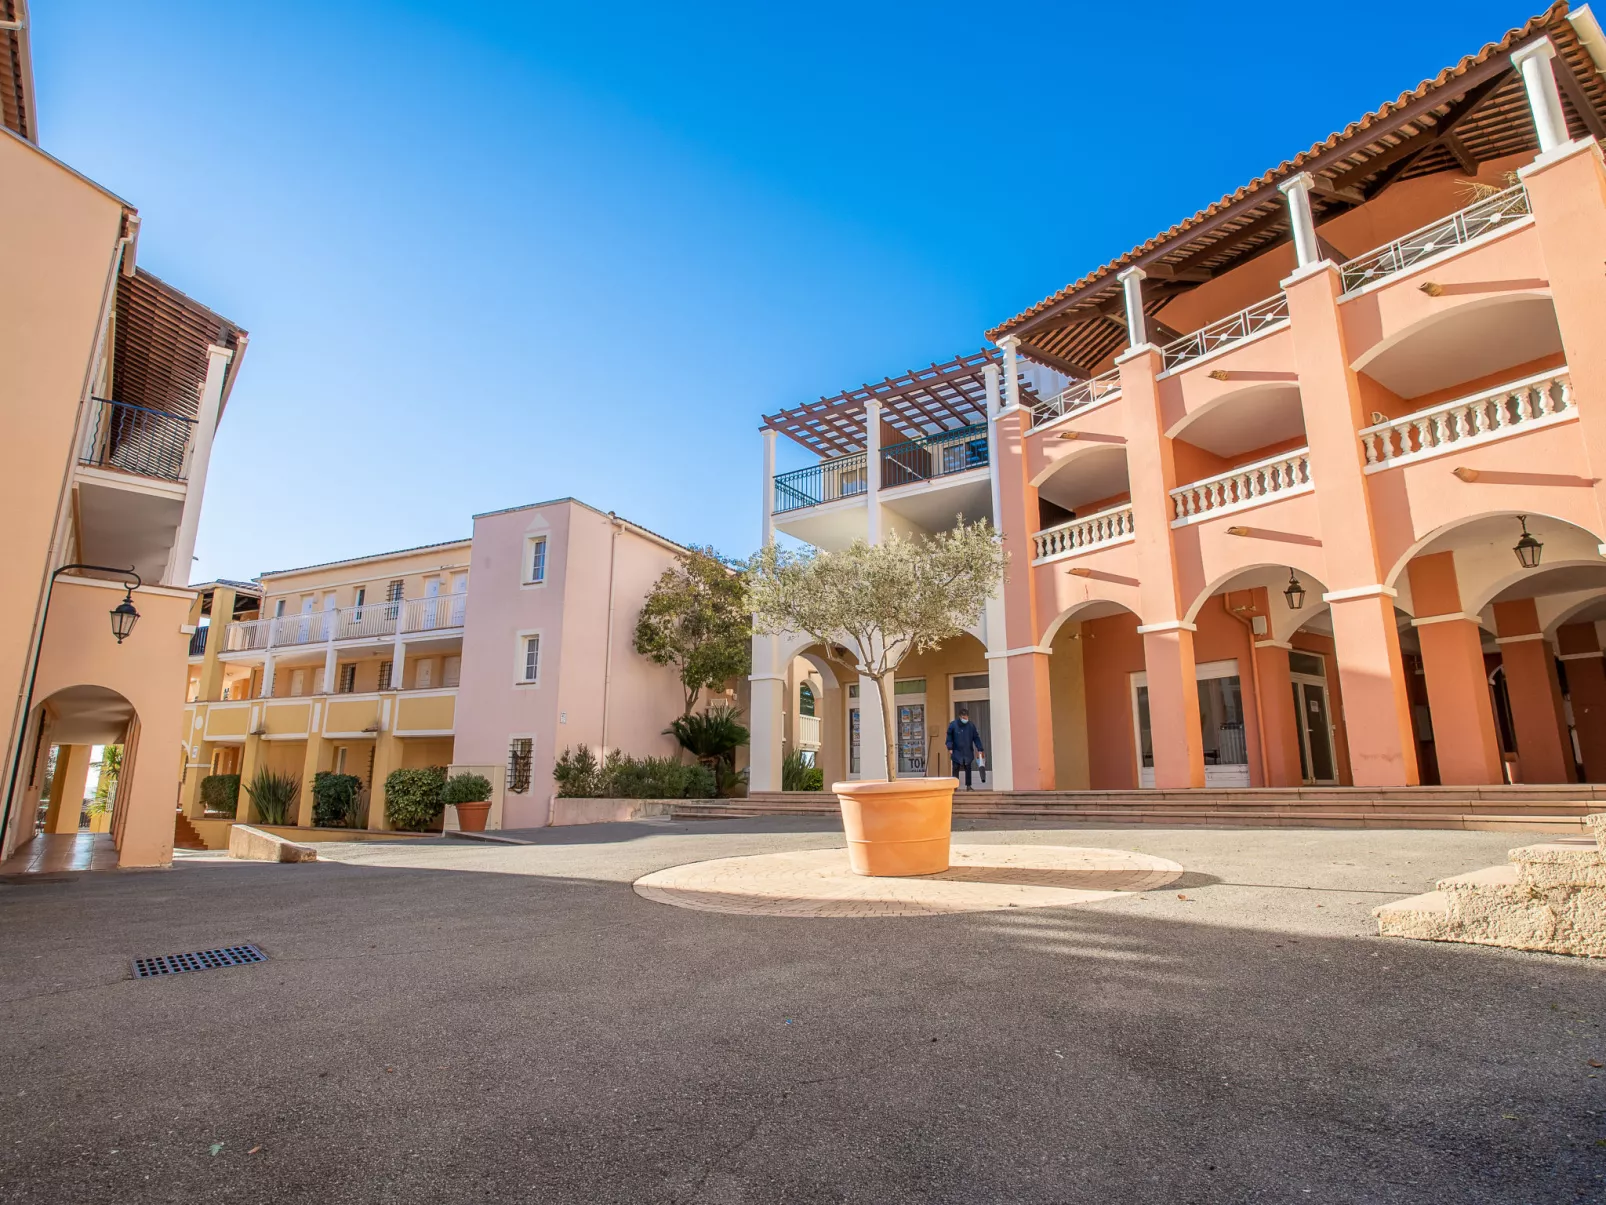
(184, 834)
(1559, 809)
(1549, 897)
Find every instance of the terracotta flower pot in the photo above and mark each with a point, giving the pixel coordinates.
(471, 817)
(897, 828)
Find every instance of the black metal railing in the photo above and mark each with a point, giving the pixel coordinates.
(152, 443)
(824, 482)
(198, 641)
(932, 456)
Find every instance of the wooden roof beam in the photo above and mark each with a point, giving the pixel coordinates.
(1572, 87)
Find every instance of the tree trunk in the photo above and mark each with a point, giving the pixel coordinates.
(889, 723)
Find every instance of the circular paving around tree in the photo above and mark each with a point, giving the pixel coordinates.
(981, 878)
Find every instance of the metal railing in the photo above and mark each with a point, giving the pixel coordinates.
(1078, 396)
(371, 620)
(198, 641)
(434, 614)
(1242, 487)
(1076, 536)
(247, 635)
(938, 455)
(1451, 426)
(844, 477)
(1226, 331)
(151, 443)
(1461, 227)
(309, 627)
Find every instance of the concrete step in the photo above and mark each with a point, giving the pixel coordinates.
(1563, 863)
(1504, 875)
(1425, 917)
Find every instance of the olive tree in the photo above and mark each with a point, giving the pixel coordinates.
(881, 602)
(695, 620)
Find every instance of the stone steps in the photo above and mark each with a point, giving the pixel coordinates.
(184, 834)
(1550, 896)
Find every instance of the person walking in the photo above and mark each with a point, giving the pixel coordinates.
(964, 742)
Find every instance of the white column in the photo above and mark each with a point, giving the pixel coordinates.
(872, 466)
(1544, 99)
(267, 676)
(1010, 344)
(398, 659)
(330, 660)
(769, 488)
(999, 776)
(1297, 190)
(1137, 323)
(183, 555)
(766, 708)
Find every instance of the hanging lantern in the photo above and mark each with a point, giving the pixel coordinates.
(1527, 548)
(124, 617)
(1295, 594)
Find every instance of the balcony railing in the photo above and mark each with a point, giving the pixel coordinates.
(198, 641)
(827, 481)
(1226, 331)
(1451, 426)
(1243, 487)
(151, 443)
(1462, 227)
(434, 614)
(369, 621)
(808, 731)
(247, 635)
(1078, 396)
(1091, 532)
(932, 456)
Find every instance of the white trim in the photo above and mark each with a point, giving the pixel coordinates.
(521, 657)
(1216, 353)
(1431, 261)
(766, 677)
(1170, 625)
(1031, 648)
(1448, 617)
(1523, 639)
(154, 590)
(1333, 596)
(527, 582)
(154, 487)
(1273, 644)
(1581, 656)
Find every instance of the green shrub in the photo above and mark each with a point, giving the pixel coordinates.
(713, 738)
(220, 793)
(796, 775)
(577, 774)
(701, 782)
(336, 800)
(466, 788)
(273, 795)
(413, 798)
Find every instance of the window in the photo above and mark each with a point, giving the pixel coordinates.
(520, 752)
(535, 560)
(348, 679)
(805, 699)
(393, 592)
(278, 609)
(529, 663)
(340, 759)
(386, 668)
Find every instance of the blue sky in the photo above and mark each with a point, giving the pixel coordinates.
(496, 253)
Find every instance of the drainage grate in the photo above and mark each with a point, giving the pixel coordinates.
(201, 960)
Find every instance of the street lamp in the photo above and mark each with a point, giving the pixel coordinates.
(1295, 594)
(1527, 548)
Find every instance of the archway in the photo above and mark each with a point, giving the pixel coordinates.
(1507, 336)
(79, 766)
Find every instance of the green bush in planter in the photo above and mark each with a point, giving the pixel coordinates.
(220, 793)
(577, 774)
(273, 795)
(336, 800)
(466, 788)
(413, 798)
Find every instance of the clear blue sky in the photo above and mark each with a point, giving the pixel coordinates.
(496, 253)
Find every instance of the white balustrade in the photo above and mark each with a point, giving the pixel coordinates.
(433, 614)
(1224, 332)
(1076, 536)
(370, 621)
(245, 635)
(1535, 401)
(1243, 487)
(808, 731)
(309, 628)
(1078, 396)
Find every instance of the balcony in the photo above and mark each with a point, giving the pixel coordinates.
(907, 462)
(370, 621)
(1225, 332)
(1525, 405)
(1083, 395)
(1459, 228)
(434, 614)
(1247, 486)
(198, 642)
(133, 439)
(1074, 537)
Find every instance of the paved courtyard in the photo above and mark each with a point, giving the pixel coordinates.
(453, 1021)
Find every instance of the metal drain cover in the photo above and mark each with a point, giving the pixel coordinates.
(201, 960)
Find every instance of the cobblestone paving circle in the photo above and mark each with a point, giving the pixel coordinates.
(981, 878)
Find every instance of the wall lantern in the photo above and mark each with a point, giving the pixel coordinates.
(1295, 594)
(124, 616)
(1527, 548)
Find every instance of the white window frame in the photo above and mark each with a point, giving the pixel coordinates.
(1202, 672)
(521, 657)
(531, 542)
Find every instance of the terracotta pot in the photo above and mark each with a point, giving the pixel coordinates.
(897, 828)
(471, 817)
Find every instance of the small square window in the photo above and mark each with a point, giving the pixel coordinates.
(348, 679)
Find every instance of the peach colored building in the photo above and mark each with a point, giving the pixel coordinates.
(113, 385)
(1306, 489)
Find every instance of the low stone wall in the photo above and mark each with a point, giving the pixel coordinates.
(259, 845)
(605, 811)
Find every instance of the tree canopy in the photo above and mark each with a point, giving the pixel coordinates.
(696, 620)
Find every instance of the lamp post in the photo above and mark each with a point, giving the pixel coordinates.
(123, 616)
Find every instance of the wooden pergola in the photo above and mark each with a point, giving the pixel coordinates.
(1469, 114)
(927, 401)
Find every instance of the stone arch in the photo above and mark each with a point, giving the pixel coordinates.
(1274, 577)
(1476, 337)
(1089, 608)
(1255, 415)
(1585, 539)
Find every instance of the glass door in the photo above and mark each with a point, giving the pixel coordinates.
(909, 702)
(1317, 764)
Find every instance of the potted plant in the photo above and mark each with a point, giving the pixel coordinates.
(470, 794)
(883, 602)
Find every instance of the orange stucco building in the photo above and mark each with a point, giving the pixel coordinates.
(1306, 489)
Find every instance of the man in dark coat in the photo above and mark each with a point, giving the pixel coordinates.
(964, 742)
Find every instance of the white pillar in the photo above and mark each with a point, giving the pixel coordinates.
(769, 488)
(267, 676)
(330, 661)
(997, 664)
(766, 708)
(1010, 344)
(872, 466)
(1297, 190)
(1544, 99)
(398, 660)
(182, 557)
(872, 736)
(1137, 323)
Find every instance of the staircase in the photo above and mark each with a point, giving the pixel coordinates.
(1549, 897)
(1555, 809)
(184, 834)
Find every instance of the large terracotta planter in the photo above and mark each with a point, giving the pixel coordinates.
(471, 817)
(897, 828)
